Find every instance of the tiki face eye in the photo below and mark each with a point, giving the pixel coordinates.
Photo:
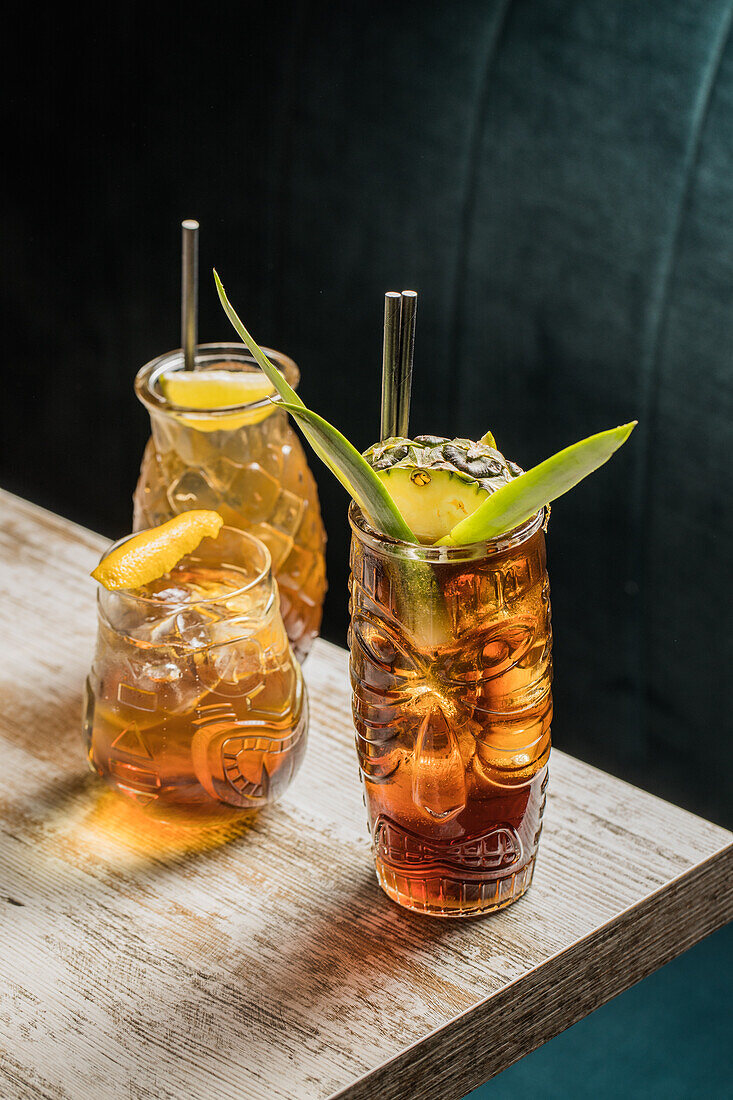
(494, 654)
(382, 647)
(485, 655)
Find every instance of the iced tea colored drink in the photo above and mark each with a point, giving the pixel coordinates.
(451, 671)
(246, 463)
(195, 705)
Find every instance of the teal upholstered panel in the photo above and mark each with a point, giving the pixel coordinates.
(667, 1038)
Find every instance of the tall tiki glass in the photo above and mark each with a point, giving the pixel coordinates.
(246, 463)
(451, 672)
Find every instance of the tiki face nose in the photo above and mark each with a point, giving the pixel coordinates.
(438, 774)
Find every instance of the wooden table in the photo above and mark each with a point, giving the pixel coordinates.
(138, 964)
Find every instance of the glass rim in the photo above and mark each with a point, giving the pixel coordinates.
(146, 379)
(131, 593)
(473, 551)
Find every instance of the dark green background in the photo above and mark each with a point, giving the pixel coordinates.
(555, 178)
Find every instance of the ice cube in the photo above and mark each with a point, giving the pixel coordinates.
(235, 662)
(152, 682)
(194, 624)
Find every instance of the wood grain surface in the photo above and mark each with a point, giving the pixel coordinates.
(142, 962)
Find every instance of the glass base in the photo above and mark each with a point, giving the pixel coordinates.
(196, 815)
(441, 896)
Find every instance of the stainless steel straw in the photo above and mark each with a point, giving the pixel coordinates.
(403, 386)
(189, 291)
(390, 363)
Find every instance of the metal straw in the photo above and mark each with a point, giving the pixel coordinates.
(390, 363)
(189, 291)
(403, 386)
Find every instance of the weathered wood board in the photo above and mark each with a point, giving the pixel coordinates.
(138, 963)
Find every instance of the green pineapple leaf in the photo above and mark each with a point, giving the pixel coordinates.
(286, 391)
(334, 450)
(352, 470)
(276, 376)
(522, 497)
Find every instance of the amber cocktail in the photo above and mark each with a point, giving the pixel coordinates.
(246, 463)
(195, 705)
(451, 671)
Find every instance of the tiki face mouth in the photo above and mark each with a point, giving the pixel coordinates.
(496, 850)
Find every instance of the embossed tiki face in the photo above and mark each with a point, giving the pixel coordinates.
(450, 677)
(450, 673)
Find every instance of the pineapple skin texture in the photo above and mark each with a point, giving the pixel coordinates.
(436, 482)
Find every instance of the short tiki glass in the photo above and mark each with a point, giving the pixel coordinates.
(196, 708)
(244, 461)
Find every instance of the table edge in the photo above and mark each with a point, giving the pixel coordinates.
(462, 1054)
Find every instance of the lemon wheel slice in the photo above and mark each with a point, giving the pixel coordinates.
(218, 389)
(151, 554)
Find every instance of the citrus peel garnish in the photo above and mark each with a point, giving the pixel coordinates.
(152, 554)
(209, 390)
